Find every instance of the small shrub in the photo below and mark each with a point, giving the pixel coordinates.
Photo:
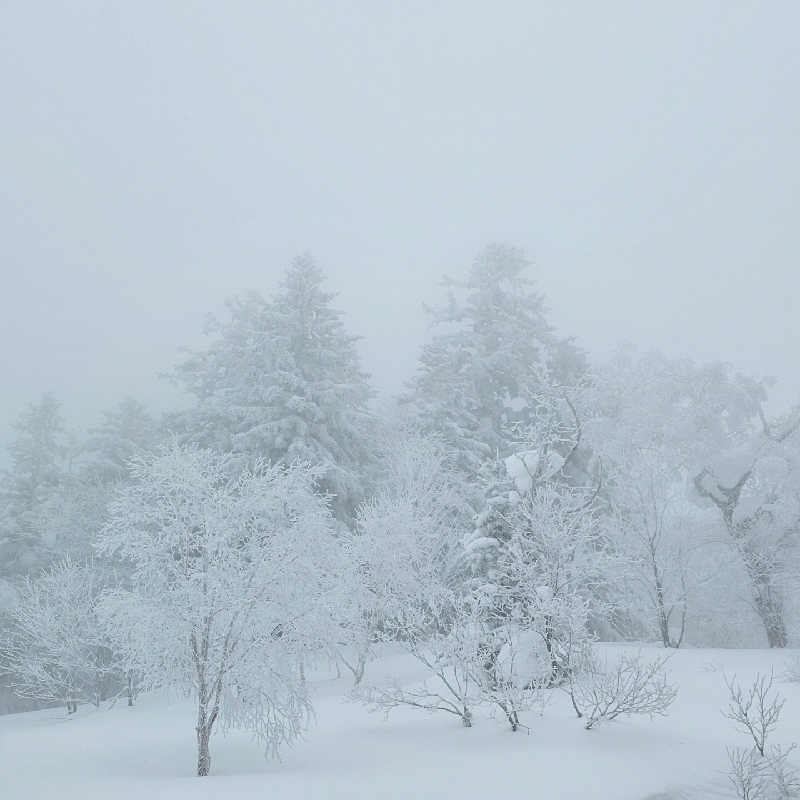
(632, 686)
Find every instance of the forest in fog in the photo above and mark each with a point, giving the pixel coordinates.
(516, 503)
(399, 400)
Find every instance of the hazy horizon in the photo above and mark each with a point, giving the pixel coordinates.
(158, 160)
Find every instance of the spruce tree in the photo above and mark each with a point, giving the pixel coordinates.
(282, 380)
(127, 430)
(493, 348)
(29, 488)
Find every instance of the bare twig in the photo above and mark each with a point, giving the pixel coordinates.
(755, 710)
(633, 686)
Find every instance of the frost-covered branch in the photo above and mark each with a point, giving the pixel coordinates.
(56, 649)
(234, 582)
(631, 686)
(763, 771)
(755, 710)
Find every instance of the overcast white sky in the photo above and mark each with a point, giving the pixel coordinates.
(156, 157)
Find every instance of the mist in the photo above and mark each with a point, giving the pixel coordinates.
(366, 359)
(158, 159)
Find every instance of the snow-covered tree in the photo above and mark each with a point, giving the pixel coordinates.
(56, 650)
(38, 465)
(601, 692)
(655, 533)
(441, 629)
(51, 503)
(406, 544)
(406, 539)
(232, 576)
(492, 347)
(513, 665)
(538, 547)
(754, 483)
(648, 423)
(547, 576)
(49, 508)
(409, 546)
(542, 453)
(653, 423)
(282, 380)
(764, 770)
(126, 430)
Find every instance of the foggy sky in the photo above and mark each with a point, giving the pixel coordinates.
(159, 156)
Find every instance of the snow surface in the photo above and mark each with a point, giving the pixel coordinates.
(148, 751)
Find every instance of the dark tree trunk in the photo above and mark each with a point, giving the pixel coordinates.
(203, 754)
(555, 667)
(358, 672)
(770, 610)
(767, 600)
(203, 730)
(661, 611)
(357, 668)
(511, 716)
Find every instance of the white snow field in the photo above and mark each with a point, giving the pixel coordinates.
(148, 752)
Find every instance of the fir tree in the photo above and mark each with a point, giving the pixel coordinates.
(282, 380)
(37, 471)
(492, 348)
(126, 431)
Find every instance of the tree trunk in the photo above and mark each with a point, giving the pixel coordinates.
(776, 634)
(662, 615)
(661, 611)
(358, 672)
(511, 715)
(555, 667)
(205, 723)
(767, 602)
(203, 754)
(203, 730)
(357, 669)
(578, 712)
(771, 613)
(663, 622)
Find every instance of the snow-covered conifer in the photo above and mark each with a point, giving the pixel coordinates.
(492, 346)
(126, 430)
(282, 380)
(38, 465)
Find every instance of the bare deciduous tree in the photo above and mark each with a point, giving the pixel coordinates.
(442, 631)
(756, 710)
(761, 772)
(601, 693)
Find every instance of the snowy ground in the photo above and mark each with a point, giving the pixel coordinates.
(148, 751)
